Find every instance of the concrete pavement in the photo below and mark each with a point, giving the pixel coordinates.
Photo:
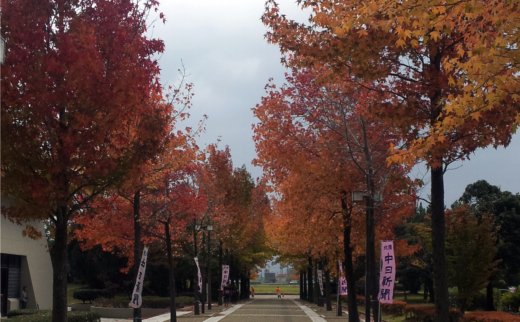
(268, 308)
(263, 308)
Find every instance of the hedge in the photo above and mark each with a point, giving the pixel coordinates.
(396, 308)
(489, 316)
(152, 302)
(89, 295)
(19, 312)
(426, 313)
(46, 316)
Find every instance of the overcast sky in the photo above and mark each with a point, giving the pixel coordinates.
(221, 44)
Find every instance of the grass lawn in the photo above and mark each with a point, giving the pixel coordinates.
(270, 288)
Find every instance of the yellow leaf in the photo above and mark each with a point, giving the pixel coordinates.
(400, 42)
(435, 35)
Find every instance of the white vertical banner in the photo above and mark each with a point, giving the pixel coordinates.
(387, 276)
(199, 275)
(320, 280)
(342, 281)
(137, 299)
(225, 276)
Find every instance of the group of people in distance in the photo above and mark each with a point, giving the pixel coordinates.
(228, 293)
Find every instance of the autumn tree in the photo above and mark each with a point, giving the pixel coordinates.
(317, 145)
(451, 70)
(81, 105)
(155, 204)
(236, 207)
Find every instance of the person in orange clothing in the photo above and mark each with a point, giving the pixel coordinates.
(278, 292)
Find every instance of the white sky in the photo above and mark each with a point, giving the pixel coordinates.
(221, 44)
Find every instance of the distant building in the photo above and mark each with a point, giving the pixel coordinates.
(24, 262)
(269, 277)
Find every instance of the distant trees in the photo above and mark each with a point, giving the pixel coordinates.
(482, 244)
(501, 208)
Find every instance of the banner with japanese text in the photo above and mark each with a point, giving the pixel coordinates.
(225, 276)
(137, 300)
(387, 276)
(342, 280)
(199, 275)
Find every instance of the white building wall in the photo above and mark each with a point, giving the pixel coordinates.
(36, 266)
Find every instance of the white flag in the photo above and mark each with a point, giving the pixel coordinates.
(137, 299)
(225, 276)
(198, 274)
(342, 281)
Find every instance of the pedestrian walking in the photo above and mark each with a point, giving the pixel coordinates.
(252, 292)
(227, 294)
(278, 292)
(23, 298)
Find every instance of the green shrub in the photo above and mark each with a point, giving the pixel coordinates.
(87, 295)
(152, 302)
(426, 313)
(396, 308)
(14, 313)
(83, 317)
(183, 301)
(511, 301)
(46, 316)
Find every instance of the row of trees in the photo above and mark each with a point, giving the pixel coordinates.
(91, 143)
(372, 88)
(482, 246)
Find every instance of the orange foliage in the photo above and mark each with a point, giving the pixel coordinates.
(310, 143)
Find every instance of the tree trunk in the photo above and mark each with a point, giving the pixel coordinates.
(137, 245)
(339, 309)
(317, 290)
(353, 315)
(208, 270)
(59, 267)
(328, 304)
(371, 291)
(440, 282)
(196, 291)
(490, 301)
(204, 277)
(301, 286)
(220, 263)
(310, 285)
(171, 271)
(304, 286)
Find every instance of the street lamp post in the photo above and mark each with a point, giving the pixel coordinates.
(206, 287)
(371, 301)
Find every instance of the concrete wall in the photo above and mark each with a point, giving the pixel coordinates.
(36, 266)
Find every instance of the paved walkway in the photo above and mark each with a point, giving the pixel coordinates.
(263, 308)
(267, 308)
